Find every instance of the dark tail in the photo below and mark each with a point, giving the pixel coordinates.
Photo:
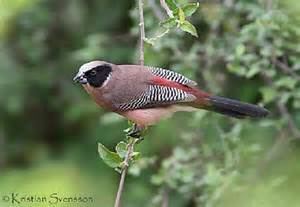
(235, 108)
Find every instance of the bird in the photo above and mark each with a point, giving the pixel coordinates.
(145, 94)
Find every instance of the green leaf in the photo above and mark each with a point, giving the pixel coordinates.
(136, 156)
(284, 97)
(240, 50)
(181, 16)
(269, 94)
(296, 104)
(188, 27)
(169, 23)
(121, 149)
(286, 82)
(255, 69)
(134, 170)
(237, 69)
(190, 8)
(157, 179)
(266, 51)
(172, 4)
(110, 158)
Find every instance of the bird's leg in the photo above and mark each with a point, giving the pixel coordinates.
(136, 131)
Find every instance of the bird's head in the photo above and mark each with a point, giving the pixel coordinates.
(95, 73)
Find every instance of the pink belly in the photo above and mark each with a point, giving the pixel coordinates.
(146, 117)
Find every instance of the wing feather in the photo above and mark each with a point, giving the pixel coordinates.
(157, 96)
(172, 76)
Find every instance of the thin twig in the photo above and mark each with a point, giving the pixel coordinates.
(276, 150)
(130, 148)
(282, 139)
(269, 4)
(165, 197)
(2, 147)
(132, 141)
(285, 68)
(283, 110)
(142, 32)
(156, 10)
(165, 6)
(229, 3)
(285, 113)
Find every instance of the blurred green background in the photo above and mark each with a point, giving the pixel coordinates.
(49, 127)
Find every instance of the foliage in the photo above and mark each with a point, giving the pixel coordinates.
(245, 49)
(259, 47)
(117, 159)
(177, 19)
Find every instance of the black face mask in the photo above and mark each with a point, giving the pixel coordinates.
(98, 75)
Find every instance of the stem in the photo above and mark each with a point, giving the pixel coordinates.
(132, 141)
(285, 68)
(2, 147)
(130, 148)
(156, 10)
(142, 32)
(165, 200)
(165, 6)
(269, 4)
(277, 149)
(283, 110)
(229, 3)
(291, 124)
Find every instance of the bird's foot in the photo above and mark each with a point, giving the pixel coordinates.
(136, 132)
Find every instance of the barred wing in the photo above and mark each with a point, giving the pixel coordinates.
(157, 96)
(172, 76)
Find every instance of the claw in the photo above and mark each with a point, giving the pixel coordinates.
(136, 132)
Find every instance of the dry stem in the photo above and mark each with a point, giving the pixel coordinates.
(132, 141)
(130, 148)
(165, 6)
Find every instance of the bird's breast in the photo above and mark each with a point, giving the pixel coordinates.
(151, 116)
(98, 95)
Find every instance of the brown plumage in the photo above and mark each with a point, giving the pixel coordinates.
(145, 95)
(123, 86)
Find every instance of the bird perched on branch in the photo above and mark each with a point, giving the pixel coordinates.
(146, 95)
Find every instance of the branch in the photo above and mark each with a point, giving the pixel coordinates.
(165, 197)
(130, 148)
(285, 68)
(2, 147)
(281, 140)
(278, 148)
(229, 3)
(269, 4)
(165, 6)
(284, 111)
(142, 32)
(132, 141)
(156, 10)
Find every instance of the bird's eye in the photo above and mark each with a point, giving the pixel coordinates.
(93, 73)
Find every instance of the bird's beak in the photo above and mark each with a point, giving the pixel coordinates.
(79, 78)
